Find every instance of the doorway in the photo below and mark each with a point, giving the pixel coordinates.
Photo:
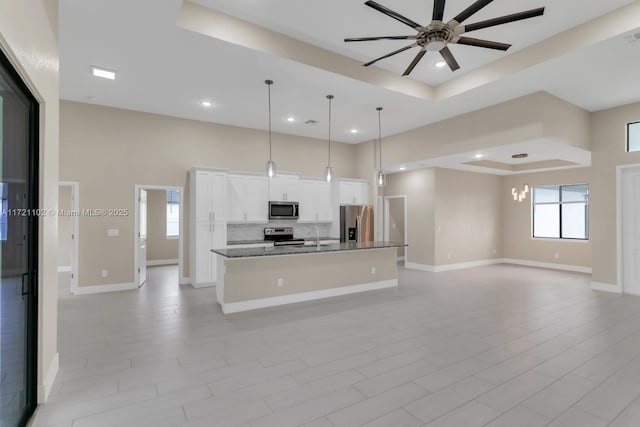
(19, 135)
(151, 238)
(68, 228)
(630, 229)
(392, 224)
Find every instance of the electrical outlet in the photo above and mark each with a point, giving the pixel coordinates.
(556, 255)
(113, 232)
(105, 273)
(280, 282)
(495, 251)
(448, 256)
(373, 270)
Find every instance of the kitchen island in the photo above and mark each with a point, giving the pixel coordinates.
(251, 278)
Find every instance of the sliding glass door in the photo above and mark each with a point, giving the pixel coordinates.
(18, 247)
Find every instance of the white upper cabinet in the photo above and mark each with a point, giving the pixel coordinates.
(247, 199)
(210, 195)
(315, 201)
(353, 193)
(284, 188)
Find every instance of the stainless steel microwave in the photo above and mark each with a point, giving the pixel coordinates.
(283, 210)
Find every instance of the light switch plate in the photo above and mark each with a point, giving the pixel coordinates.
(113, 232)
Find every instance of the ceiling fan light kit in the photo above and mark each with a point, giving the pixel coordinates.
(438, 35)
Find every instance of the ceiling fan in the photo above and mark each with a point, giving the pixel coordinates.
(438, 35)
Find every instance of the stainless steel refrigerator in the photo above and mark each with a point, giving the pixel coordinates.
(356, 223)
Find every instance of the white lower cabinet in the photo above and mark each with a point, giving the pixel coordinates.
(207, 236)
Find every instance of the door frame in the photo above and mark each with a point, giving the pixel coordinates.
(136, 229)
(75, 243)
(620, 169)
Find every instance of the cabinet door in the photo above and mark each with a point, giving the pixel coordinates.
(361, 193)
(203, 255)
(307, 203)
(292, 188)
(218, 196)
(347, 194)
(323, 201)
(255, 198)
(277, 189)
(235, 198)
(202, 197)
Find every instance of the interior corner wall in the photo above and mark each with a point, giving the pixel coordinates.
(396, 222)
(28, 36)
(159, 246)
(109, 150)
(419, 187)
(518, 243)
(608, 143)
(468, 217)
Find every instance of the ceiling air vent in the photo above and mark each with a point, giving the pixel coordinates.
(311, 122)
(633, 38)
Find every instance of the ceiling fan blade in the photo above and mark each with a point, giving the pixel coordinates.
(414, 62)
(391, 54)
(448, 57)
(482, 43)
(504, 19)
(367, 39)
(391, 13)
(438, 10)
(471, 10)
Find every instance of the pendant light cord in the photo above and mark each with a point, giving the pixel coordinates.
(269, 83)
(380, 136)
(329, 97)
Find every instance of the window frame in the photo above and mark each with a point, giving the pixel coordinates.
(560, 203)
(628, 141)
(176, 205)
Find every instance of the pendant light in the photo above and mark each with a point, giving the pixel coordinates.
(271, 165)
(328, 171)
(519, 193)
(380, 177)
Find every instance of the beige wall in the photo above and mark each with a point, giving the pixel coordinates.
(159, 246)
(419, 187)
(468, 217)
(120, 148)
(518, 243)
(608, 139)
(396, 222)
(28, 36)
(65, 227)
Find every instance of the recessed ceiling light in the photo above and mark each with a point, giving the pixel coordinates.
(206, 104)
(291, 119)
(441, 64)
(354, 130)
(402, 168)
(479, 156)
(105, 74)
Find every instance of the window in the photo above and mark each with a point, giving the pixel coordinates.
(633, 136)
(561, 212)
(173, 213)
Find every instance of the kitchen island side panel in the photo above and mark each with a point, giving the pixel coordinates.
(254, 278)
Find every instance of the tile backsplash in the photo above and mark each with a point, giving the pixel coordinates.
(256, 231)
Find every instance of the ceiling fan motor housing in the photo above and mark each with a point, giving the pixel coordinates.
(435, 37)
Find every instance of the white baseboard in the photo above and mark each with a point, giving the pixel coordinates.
(420, 267)
(606, 287)
(185, 281)
(156, 262)
(100, 289)
(236, 307)
(550, 265)
(470, 264)
(203, 285)
(64, 269)
(49, 377)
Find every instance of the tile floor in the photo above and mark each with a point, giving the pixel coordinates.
(496, 346)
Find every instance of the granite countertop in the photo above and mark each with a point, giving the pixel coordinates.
(254, 242)
(311, 249)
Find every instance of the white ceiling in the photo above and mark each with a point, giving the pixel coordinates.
(167, 70)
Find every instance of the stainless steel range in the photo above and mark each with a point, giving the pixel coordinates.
(282, 236)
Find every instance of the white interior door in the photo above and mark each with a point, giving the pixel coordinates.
(631, 231)
(142, 237)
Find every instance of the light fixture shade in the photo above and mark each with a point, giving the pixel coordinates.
(271, 169)
(381, 179)
(328, 173)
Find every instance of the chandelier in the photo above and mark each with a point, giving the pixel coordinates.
(520, 192)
